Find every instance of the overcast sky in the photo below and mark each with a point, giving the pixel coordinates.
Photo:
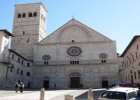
(118, 20)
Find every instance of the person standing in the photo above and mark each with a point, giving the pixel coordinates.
(21, 87)
(81, 86)
(55, 86)
(16, 87)
(29, 84)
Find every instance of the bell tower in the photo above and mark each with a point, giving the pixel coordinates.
(29, 27)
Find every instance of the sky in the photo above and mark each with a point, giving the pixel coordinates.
(118, 20)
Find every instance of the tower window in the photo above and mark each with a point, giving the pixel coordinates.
(19, 16)
(23, 32)
(23, 15)
(72, 40)
(30, 14)
(35, 14)
(28, 40)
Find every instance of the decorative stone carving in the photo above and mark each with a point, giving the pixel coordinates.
(46, 57)
(103, 55)
(75, 74)
(74, 51)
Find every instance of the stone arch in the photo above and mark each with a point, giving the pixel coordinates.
(46, 78)
(30, 14)
(35, 14)
(19, 15)
(64, 28)
(74, 74)
(23, 15)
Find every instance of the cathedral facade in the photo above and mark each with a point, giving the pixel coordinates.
(72, 55)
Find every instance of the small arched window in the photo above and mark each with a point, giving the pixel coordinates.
(30, 14)
(19, 16)
(35, 14)
(23, 15)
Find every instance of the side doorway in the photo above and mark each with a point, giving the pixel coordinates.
(104, 82)
(46, 82)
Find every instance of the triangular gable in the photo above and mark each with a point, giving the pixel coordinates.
(56, 36)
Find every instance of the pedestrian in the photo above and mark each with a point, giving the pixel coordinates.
(29, 84)
(21, 87)
(55, 86)
(16, 87)
(81, 86)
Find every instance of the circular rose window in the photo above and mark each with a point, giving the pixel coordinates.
(74, 51)
(46, 57)
(103, 55)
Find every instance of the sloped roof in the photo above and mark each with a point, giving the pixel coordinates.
(130, 44)
(7, 32)
(19, 55)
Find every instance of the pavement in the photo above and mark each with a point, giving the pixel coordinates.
(57, 94)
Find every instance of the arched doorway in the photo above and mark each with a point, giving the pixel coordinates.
(75, 79)
(46, 82)
(104, 82)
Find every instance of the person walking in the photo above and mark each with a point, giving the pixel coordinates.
(16, 87)
(21, 87)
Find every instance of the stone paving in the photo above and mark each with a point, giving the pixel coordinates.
(79, 94)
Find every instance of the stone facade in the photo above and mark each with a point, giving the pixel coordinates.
(72, 55)
(19, 69)
(131, 62)
(75, 48)
(29, 27)
(4, 41)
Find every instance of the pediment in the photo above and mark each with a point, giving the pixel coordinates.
(75, 31)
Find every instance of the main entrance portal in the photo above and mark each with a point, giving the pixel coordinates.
(75, 82)
(46, 84)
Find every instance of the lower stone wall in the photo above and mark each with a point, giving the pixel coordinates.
(90, 76)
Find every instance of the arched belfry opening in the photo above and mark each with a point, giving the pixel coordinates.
(46, 82)
(104, 82)
(74, 79)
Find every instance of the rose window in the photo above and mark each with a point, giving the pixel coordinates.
(74, 51)
(46, 57)
(103, 55)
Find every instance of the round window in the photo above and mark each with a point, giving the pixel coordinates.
(74, 51)
(46, 57)
(103, 55)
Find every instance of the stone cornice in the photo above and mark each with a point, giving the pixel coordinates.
(75, 43)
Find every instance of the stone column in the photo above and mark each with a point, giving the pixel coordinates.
(90, 94)
(68, 97)
(42, 94)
